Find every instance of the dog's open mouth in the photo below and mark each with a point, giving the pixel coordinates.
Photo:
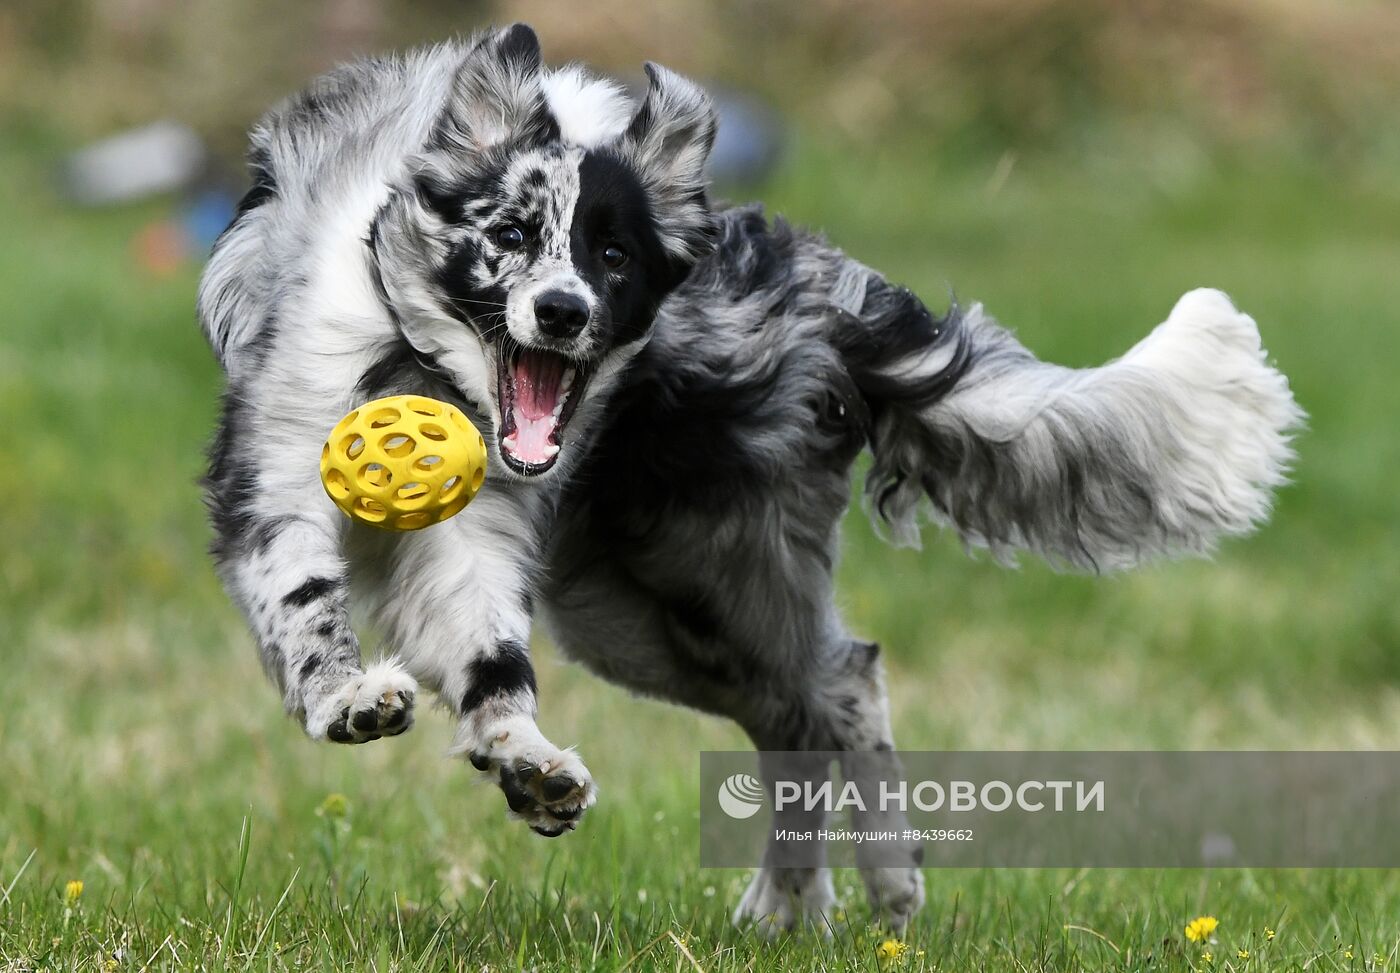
(538, 392)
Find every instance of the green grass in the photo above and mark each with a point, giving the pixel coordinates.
(144, 755)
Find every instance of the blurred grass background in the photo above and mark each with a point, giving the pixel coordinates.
(1075, 165)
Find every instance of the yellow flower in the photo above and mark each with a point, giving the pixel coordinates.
(1347, 954)
(1242, 953)
(334, 806)
(1268, 934)
(73, 891)
(1207, 958)
(1198, 930)
(890, 950)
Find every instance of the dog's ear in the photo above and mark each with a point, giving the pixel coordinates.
(668, 141)
(497, 95)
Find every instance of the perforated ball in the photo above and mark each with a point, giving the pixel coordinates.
(403, 463)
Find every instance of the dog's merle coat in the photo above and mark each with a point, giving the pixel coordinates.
(461, 223)
(674, 397)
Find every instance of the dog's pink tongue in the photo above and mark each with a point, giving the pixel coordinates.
(537, 380)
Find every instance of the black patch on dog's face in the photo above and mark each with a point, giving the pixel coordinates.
(466, 279)
(524, 223)
(553, 257)
(613, 209)
(609, 208)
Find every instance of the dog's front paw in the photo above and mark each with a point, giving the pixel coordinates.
(365, 706)
(547, 788)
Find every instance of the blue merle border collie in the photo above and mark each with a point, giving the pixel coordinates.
(674, 395)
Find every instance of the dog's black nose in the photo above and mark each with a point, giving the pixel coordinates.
(560, 314)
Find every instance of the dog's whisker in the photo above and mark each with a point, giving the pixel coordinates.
(470, 300)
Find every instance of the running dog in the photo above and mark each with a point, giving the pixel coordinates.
(674, 396)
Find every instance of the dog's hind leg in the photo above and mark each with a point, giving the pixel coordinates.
(860, 723)
(600, 614)
(837, 703)
(789, 698)
(782, 897)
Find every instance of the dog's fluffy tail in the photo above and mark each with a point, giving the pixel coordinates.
(1162, 452)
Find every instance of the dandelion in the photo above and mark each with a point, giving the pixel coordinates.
(890, 950)
(72, 892)
(1268, 934)
(1242, 953)
(1198, 930)
(336, 805)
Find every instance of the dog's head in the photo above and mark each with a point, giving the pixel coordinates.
(539, 231)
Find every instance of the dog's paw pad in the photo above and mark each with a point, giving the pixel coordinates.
(548, 789)
(556, 789)
(369, 705)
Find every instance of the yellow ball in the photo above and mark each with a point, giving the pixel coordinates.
(403, 463)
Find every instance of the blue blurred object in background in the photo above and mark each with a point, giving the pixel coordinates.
(750, 140)
(206, 214)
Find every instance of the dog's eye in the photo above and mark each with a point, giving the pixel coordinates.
(614, 256)
(510, 238)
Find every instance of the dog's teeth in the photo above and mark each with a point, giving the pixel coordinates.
(550, 451)
(509, 443)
